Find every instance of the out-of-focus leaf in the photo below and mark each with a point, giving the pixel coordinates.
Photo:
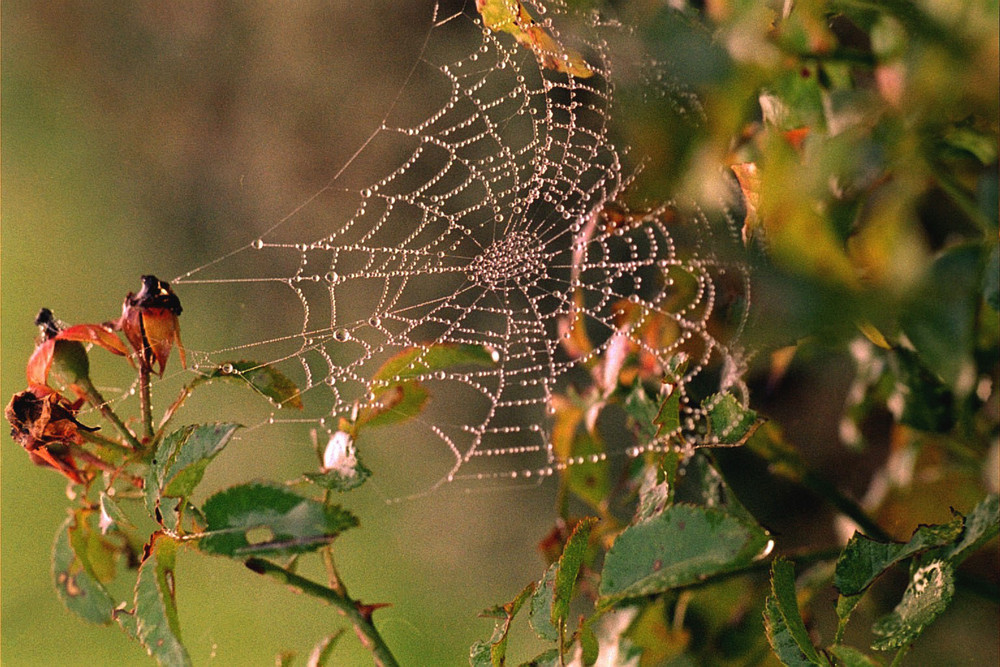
(930, 590)
(158, 624)
(510, 16)
(263, 379)
(573, 442)
(991, 279)
(864, 559)
(785, 629)
(731, 423)
(493, 652)
(940, 321)
(852, 657)
(928, 405)
(965, 138)
(262, 519)
(540, 613)
(321, 652)
(981, 525)
(80, 590)
(680, 546)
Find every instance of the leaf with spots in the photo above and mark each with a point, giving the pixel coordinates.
(73, 572)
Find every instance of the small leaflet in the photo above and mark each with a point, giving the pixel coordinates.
(510, 16)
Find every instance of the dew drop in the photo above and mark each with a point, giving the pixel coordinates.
(341, 335)
(258, 244)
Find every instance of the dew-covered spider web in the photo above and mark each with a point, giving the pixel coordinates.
(495, 226)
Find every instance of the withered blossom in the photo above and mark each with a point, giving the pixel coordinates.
(44, 423)
(150, 323)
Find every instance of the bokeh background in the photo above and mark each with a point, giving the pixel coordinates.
(151, 137)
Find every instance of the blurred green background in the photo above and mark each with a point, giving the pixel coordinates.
(155, 137)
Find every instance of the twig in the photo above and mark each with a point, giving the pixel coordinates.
(358, 614)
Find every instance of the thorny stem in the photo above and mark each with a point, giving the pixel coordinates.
(362, 622)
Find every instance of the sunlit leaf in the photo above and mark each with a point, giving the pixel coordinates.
(493, 652)
(158, 624)
(111, 514)
(786, 631)
(510, 16)
(930, 590)
(864, 559)
(80, 590)
(394, 404)
(262, 519)
(263, 379)
(682, 545)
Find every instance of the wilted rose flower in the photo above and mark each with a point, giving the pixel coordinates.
(44, 423)
(150, 323)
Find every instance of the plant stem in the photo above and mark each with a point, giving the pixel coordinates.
(361, 620)
(145, 404)
(93, 396)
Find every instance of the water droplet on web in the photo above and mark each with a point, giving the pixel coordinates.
(258, 244)
(341, 335)
(227, 369)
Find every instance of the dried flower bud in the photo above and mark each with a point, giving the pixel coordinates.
(150, 323)
(44, 423)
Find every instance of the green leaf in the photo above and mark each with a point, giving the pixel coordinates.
(845, 605)
(930, 590)
(785, 629)
(179, 464)
(284, 659)
(415, 363)
(852, 657)
(79, 589)
(680, 546)
(980, 526)
(540, 616)
(656, 492)
(569, 567)
(864, 559)
(263, 379)
(730, 422)
(158, 625)
(321, 652)
(493, 652)
(262, 519)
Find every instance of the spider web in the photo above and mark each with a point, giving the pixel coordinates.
(494, 225)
